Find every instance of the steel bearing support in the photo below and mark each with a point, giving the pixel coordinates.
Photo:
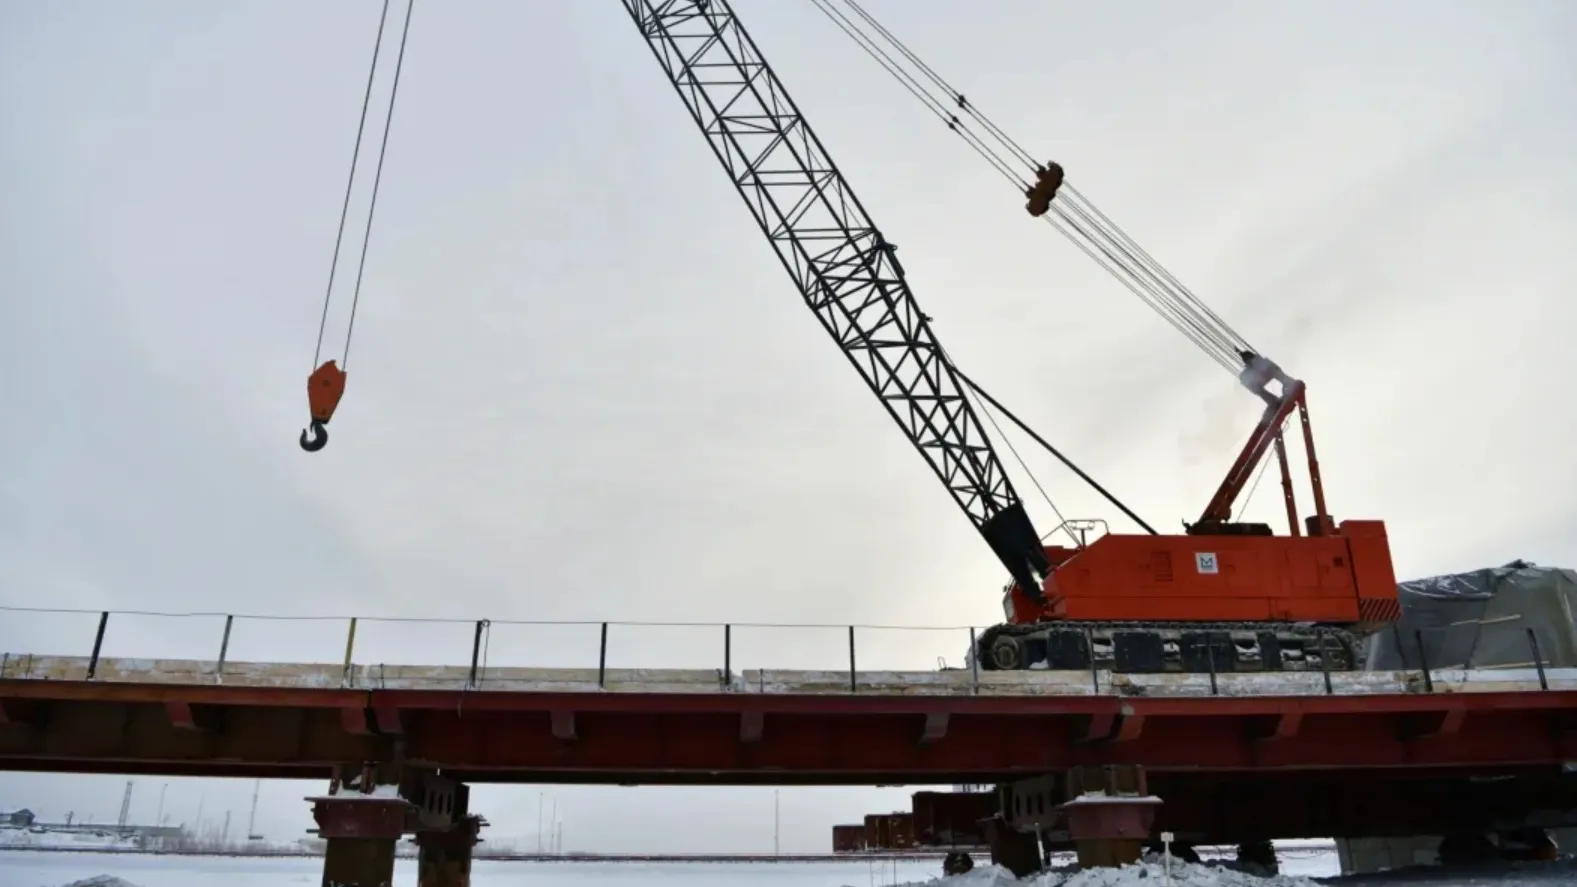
(361, 831)
(1110, 812)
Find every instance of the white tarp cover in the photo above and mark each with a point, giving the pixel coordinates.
(1481, 619)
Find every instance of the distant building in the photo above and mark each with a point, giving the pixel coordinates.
(18, 818)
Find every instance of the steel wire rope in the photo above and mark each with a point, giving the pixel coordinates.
(981, 407)
(1151, 293)
(377, 179)
(909, 83)
(1118, 234)
(939, 108)
(1080, 221)
(350, 183)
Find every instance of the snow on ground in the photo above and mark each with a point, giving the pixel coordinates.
(42, 869)
(17, 838)
(1143, 874)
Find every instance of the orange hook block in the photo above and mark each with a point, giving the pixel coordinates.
(1048, 179)
(325, 387)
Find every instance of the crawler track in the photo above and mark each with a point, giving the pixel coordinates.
(1170, 647)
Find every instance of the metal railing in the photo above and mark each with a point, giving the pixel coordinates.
(349, 641)
(343, 641)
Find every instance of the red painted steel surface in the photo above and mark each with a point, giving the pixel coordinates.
(737, 738)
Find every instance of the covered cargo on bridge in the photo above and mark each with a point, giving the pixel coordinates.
(1482, 619)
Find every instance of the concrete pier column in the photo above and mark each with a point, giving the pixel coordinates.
(444, 856)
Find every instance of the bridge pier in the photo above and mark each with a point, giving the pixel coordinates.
(443, 857)
(367, 811)
(361, 830)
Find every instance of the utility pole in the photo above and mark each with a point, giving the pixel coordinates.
(158, 819)
(539, 823)
(125, 806)
(251, 819)
(776, 822)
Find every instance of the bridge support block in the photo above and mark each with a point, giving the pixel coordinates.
(1110, 812)
(359, 862)
(361, 821)
(443, 857)
(361, 831)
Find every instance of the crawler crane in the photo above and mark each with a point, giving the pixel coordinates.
(1223, 596)
(1226, 595)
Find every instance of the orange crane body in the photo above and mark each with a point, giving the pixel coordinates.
(1341, 579)
(1226, 594)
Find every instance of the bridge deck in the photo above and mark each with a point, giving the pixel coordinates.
(763, 727)
(953, 682)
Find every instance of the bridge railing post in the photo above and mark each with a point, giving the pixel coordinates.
(350, 649)
(476, 653)
(1423, 661)
(1538, 659)
(602, 660)
(98, 644)
(1325, 663)
(224, 650)
(974, 664)
(854, 679)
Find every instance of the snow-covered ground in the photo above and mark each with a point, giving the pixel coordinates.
(102, 841)
(34, 869)
(31, 869)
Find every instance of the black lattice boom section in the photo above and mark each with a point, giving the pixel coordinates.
(844, 268)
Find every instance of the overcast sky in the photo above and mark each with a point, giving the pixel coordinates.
(583, 388)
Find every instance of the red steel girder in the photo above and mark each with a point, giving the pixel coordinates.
(738, 738)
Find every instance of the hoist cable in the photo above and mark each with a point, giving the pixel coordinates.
(350, 183)
(326, 384)
(377, 179)
(973, 396)
(1075, 216)
(955, 95)
(1046, 445)
(908, 82)
(1188, 295)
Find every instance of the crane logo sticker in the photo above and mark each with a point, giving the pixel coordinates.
(1205, 562)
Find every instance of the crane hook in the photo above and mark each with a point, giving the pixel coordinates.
(325, 387)
(314, 437)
